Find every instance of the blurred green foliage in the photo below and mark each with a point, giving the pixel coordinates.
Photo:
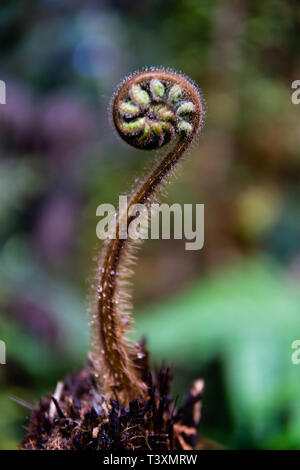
(235, 317)
(227, 313)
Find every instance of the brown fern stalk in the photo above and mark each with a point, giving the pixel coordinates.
(150, 109)
(117, 401)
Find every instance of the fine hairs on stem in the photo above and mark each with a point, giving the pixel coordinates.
(150, 109)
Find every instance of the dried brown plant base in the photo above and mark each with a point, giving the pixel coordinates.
(78, 417)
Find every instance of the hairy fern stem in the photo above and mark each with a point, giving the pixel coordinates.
(150, 109)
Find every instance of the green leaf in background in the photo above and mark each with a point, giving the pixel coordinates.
(247, 316)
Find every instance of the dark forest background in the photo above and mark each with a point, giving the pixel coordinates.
(227, 313)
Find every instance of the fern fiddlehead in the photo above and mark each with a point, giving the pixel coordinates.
(150, 109)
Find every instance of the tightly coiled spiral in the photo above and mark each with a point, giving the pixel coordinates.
(151, 107)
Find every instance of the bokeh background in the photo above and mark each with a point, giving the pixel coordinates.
(227, 313)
